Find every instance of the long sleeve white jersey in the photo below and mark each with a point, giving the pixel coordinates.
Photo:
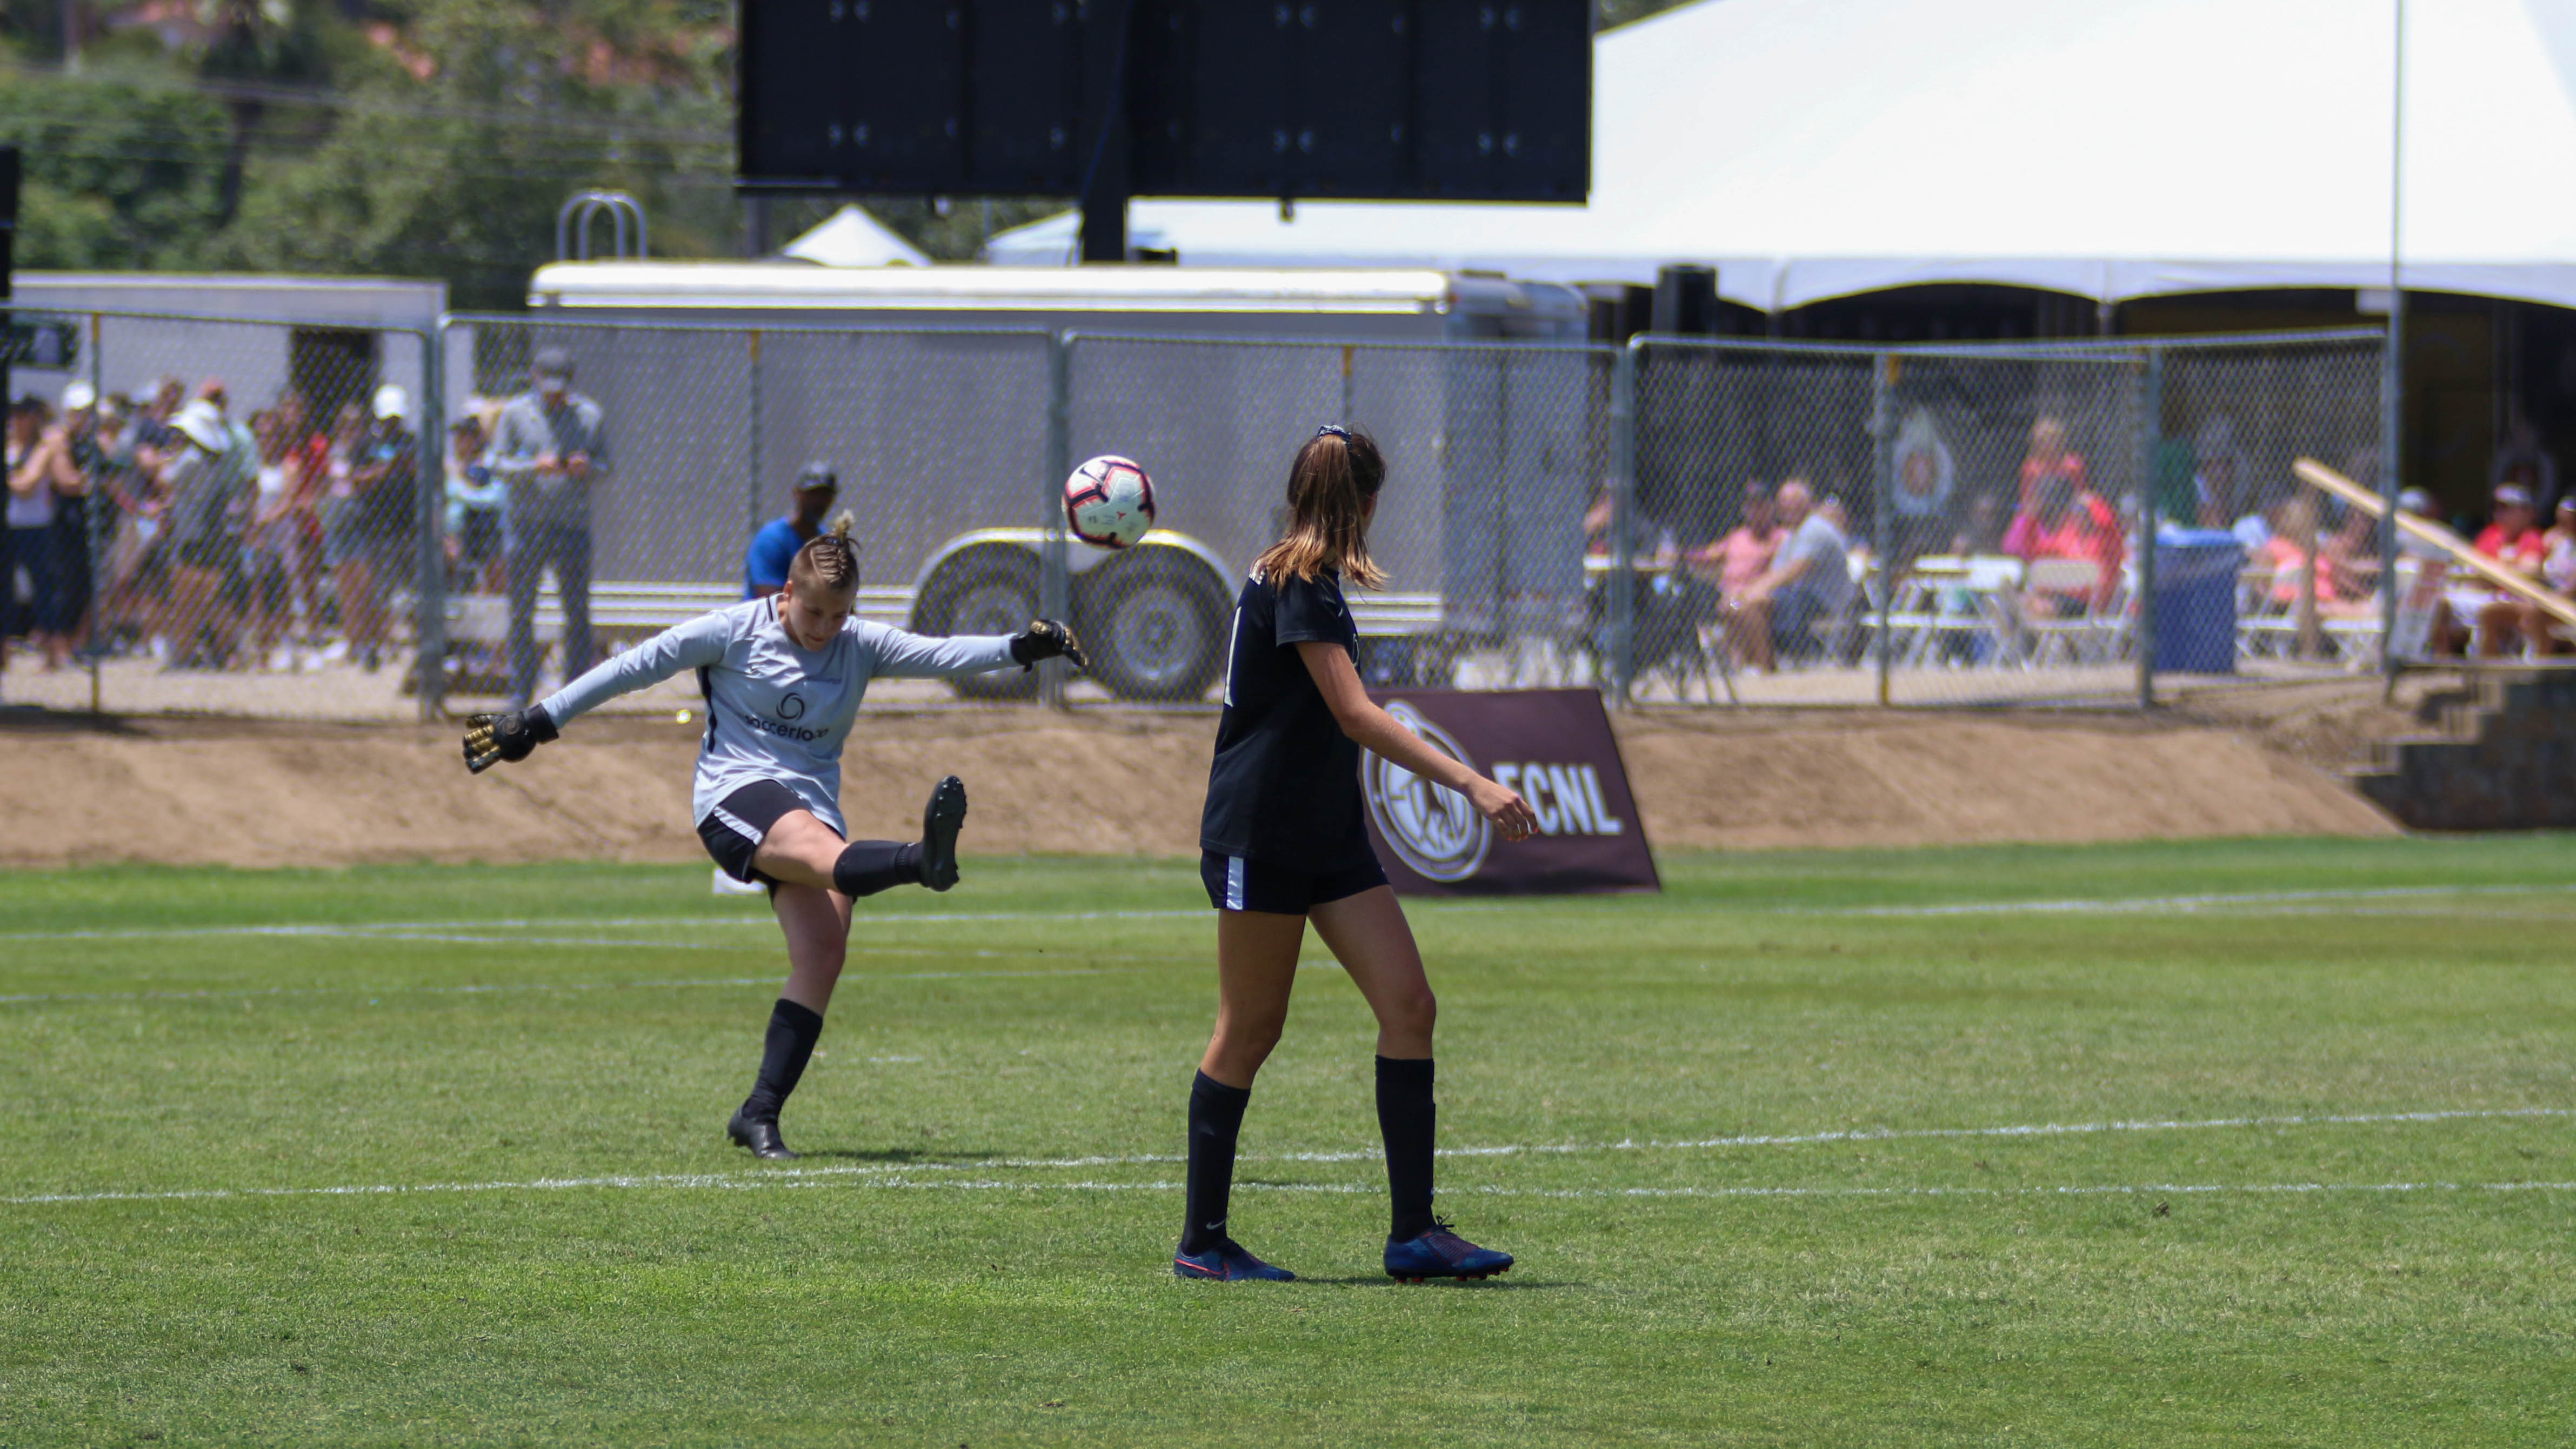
(775, 710)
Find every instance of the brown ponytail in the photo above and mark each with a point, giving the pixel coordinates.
(1330, 487)
(829, 561)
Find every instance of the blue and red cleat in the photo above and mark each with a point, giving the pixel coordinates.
(1441, 1253)
(1228, 1262)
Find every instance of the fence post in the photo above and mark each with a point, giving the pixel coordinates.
(429, 612)
(1054, 591)
(2151, 422)
(2392, 417)
(751, 487)
(1882, 434)
(1622, 583)
(101, 511)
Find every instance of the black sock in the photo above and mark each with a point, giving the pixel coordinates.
(1216, 1116)
(1406, 1117)
(793, 1030)
(869, 866)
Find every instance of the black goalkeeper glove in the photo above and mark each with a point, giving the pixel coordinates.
(492, 738)
(1045, 639)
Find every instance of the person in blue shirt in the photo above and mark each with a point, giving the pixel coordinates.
(764, 569)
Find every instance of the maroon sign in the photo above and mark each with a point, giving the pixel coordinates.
(1552, 745)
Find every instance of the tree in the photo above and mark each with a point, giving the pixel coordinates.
(115, 174)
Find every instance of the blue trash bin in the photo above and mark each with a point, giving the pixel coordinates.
(2196, 571)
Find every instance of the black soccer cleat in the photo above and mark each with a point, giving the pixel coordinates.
(760, 1134)
(941, 819)
(1441, 1253)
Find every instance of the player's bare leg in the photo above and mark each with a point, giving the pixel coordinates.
(1374, 943)
(1369, 935)
(1256, 969)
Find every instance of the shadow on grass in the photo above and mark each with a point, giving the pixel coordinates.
(1480, 1285)
(942, 1158)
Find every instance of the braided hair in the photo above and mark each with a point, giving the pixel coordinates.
(829, 561)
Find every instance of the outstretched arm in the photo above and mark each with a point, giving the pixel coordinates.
(899, 655)
(1376, 731)
(492, 739)
(693, 645)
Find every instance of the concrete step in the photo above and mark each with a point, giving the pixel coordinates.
(2505, 758)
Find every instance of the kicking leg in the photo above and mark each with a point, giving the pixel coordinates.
(801, 850)
(1256, 961)
(1370, 937)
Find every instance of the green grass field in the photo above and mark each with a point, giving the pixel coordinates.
(414, 1156)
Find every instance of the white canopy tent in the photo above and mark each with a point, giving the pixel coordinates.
(2112, 149)
(850, 237)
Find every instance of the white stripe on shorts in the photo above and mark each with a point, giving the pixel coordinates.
(1234, 882)
(737, 824)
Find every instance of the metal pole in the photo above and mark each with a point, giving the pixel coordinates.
(1054, 590)
(751, 486)
(1622, 583)
(2151, 424)
(429, 613)
(2392, 364)
(1346, 384)
(100, 517)
(1882, 434)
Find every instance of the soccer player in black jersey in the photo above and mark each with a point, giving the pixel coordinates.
(1282, 843)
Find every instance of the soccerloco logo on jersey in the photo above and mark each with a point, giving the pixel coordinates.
(1552, 745)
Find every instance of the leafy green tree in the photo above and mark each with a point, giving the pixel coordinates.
(460, 174)
(116, 175)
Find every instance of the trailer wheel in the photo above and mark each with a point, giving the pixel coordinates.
(987, 591)
(1155, 624)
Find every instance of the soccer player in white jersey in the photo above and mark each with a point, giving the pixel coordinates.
(782, 677)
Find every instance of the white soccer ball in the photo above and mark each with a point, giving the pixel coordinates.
(1109, 502)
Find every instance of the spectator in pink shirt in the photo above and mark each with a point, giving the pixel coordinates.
(2071, 522)
(1734, 562)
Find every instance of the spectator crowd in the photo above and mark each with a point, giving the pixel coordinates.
(178, 529)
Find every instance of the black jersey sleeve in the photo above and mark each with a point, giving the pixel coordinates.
(1312, 611)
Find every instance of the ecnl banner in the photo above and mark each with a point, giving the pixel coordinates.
(1552, 745)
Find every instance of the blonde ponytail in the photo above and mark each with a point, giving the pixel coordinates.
(830, 561)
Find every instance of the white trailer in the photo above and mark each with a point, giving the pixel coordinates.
(951, 398)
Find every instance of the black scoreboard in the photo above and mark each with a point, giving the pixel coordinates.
(1453, 100)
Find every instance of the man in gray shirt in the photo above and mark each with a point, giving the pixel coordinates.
(547, 451)
(1809, 580)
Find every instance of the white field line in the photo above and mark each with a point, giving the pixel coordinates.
(473, 931)
(2119, 905)
(814, 1176)
(371, 992)
(340, 930)
(893, 1178)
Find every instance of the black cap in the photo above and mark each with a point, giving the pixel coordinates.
(816, 476)
(552, 362)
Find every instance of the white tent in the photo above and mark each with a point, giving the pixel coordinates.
(2110, 149)
(850, 237)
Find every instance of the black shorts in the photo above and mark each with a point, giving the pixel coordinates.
(733, 830)
(1237, 884)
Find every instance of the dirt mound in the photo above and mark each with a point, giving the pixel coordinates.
(205, 792)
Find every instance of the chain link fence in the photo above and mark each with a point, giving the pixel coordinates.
(1494, 453)
(1824, 524)
(284, 520)
(218, 517)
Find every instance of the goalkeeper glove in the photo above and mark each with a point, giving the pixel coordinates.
(1045, 639)
(492, 738)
